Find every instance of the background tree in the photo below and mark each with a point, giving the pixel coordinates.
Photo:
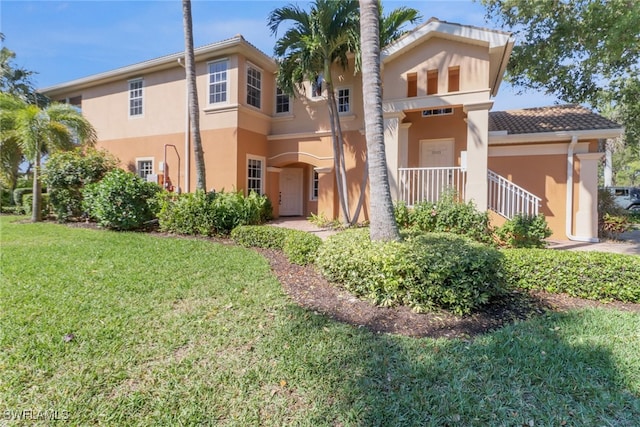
(38, 131)
(382, 220)
(582, 51)
(18, 82)
(194, 109)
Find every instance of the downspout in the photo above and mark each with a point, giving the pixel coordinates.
(187, 151)
(569, 204)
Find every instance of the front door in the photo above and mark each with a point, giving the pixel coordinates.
(436, 154)
(291, 192)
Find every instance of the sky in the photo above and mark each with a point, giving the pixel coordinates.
(66, 40)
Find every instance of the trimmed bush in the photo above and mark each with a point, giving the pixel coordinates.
(121, 200)
(524, 231)
(298, 246)
(68, 172)
(27, 204)
(591, 275)
(423, 271)
(448, 215)
(301, 247)
(19, 193)
(211, 213)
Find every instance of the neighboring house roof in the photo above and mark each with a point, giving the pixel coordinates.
(236, 43)
(500, 44)
(550, 123)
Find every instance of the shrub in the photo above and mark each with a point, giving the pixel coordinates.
(68, 172)
(423, 271)
(212, 213)
(301, 247)
(447, 215)
(121, 200)
(27, 204)
(524, 231)
(18, 194)
(591, 275)
(298, 246)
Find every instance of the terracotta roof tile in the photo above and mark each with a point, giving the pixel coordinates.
(557, 118)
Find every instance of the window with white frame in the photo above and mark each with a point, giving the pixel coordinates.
(255, 174)
(316, 86)
(254, 86)
(218, 81)
(135, 97)
(314, 185)
(144, 167)
(283, 102)
(344, 100)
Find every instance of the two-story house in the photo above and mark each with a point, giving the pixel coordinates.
(438, 84)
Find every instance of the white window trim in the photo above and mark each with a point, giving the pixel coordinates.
(246, 88)
(227, 85)
(320, 97)
(311, 195)
(263, 175)
(337, 91)
(129, 82)
(145, 159)
(275, 105)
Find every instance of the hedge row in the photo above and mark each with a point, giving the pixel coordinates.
(298, 246)
(591, 275)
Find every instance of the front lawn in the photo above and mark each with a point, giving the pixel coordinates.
(106, 328)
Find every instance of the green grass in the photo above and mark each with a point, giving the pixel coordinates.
(188, 332)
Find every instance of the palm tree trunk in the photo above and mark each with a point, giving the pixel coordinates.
(194, 109)
(36, 210)
(338, 146)
(382, 221)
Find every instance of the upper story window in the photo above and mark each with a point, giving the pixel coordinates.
(344, 100)
(135, 97)
(412, 85)
(218, 81)
(316, 86)
(432, 82)
(254, 86)
(283, 102)
(454, 79)
(437, 112)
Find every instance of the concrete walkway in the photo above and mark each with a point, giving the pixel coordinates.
(629, 243)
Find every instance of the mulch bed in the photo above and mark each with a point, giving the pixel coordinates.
(309, 289)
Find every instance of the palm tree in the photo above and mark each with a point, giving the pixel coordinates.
(194, 109)
(315, 42)
(391, 26)
(39, 131)
(382, 220)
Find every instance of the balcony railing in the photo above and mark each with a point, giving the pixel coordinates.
(508, 199)
(429, 184)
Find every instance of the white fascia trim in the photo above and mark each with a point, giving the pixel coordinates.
(491, 38)
(224, 47)
(496, 138)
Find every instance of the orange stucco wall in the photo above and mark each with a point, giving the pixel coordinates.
(449, 126)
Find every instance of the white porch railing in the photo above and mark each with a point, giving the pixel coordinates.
(508, 199)
(428, 184)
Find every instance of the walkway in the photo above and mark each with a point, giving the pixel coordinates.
(629, 243)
